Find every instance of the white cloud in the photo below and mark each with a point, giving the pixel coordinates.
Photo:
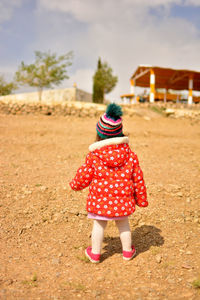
(192, 2)
(91, 10)
(7, 8)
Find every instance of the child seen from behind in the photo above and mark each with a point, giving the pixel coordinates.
(115, 180)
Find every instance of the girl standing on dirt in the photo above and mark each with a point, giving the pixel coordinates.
(115, 180)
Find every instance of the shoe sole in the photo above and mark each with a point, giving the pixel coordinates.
(129, 258)
(93, 261)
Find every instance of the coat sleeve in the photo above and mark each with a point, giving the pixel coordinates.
(140, 193)
(83, 176)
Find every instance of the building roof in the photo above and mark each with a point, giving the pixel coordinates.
(174, 79)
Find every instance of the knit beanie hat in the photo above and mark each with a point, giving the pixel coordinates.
(110, 123)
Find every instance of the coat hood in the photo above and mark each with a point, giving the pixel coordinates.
(114, 152)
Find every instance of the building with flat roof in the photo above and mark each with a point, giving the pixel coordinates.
(155, 78)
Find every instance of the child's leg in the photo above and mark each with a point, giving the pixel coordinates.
(97, 235)
(125, 233)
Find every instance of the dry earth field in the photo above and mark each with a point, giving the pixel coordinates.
(44, 227)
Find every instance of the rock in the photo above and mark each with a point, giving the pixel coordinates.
(24, 188)
(43, 188)
(178, 220)
(188, 253)
(100, 278)
(158, 258)
(141, 223)
(9, 281)
(146, 118)
(146, 133)
(29, 225)
(55, 261)
(187, 266)
(73, 212)
(169, 112)
(172, 188)
(188, 200)
(28, 192)
(83, 212)
(196, 220)
(179, 194)
(170, 280)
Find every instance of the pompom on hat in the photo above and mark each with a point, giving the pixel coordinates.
(110, 123)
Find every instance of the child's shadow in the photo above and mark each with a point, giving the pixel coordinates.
(143, 238)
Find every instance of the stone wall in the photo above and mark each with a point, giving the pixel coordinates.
(79, 109)
(86, 109)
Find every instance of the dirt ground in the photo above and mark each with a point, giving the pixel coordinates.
(44, 227)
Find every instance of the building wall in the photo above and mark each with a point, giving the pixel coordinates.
(51, 96)
(83, 96)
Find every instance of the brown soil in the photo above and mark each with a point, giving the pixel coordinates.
(44, 227)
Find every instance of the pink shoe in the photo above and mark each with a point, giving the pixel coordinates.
(128, 255)
(94, 258)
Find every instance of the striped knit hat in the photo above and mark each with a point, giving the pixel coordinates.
(110, 123)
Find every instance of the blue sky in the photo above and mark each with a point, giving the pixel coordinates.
(125, 33)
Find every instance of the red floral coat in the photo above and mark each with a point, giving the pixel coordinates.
(115, 179)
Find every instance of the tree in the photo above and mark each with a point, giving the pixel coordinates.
(103, 81)
(5, 87)
(48, 70)
(98, 94)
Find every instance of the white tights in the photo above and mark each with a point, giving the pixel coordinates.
(98, 234)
